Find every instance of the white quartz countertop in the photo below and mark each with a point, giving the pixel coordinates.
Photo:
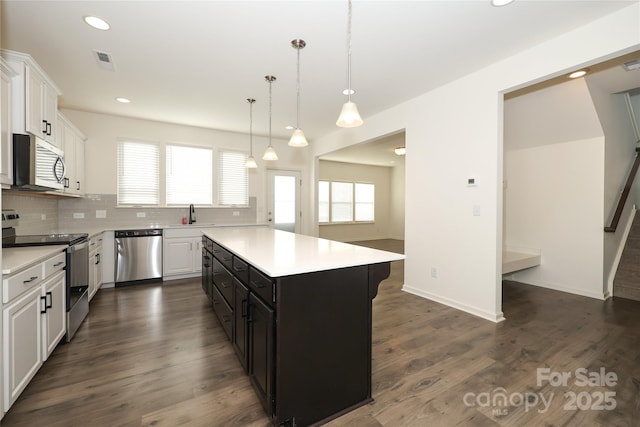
(16, 259)
(280, 253)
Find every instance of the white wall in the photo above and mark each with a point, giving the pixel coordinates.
(454, 132)
(397, 200)
(378, 175)
(103, 131)
(554, 203)
(618, 157)
(554, 175)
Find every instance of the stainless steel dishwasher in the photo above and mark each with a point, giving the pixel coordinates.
(138, 256)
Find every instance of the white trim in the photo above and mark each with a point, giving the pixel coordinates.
(493, 317)
(616, 260)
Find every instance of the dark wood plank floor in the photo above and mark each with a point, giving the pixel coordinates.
(156, 356)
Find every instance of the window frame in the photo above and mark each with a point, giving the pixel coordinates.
(162, 178)
(353, 203)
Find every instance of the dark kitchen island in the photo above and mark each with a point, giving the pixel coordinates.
(297, 310)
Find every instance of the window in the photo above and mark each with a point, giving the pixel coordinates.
(323, 201)
(188, 175)
(170, 175)
(138, 173)
(365, 201)
(343, 202)
(233, 179)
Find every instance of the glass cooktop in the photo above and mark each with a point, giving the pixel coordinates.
(43, 240)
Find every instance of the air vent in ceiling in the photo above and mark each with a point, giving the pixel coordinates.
(104, 60)
(632, 65)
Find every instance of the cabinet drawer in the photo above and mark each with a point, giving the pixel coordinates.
(54, 264)
(223, 311)
(223, 255)
(223, 280)
(241, 269)
(18, 283)
(261, 285)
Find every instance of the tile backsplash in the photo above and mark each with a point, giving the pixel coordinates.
(38, 214)
(41, 214)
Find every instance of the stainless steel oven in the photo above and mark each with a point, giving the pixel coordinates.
(77, 286)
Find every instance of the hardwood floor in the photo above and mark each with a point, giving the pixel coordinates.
(155, 355)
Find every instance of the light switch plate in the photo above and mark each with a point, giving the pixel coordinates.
(141, 214)
(101, 213)
(236, 213)
(78, 215)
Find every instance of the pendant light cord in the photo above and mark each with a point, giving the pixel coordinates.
(270, 81)
(251, 101)
(349, 53)
(298, 91)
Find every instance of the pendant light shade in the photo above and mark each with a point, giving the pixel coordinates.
(270, 152)
(349, 116)
(251, 161)
(297, 138)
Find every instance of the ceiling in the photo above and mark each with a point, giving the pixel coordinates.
(195, 62)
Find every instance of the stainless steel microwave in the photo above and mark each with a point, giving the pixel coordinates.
(37, 165)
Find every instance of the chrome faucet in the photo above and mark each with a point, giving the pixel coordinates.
(192, 214)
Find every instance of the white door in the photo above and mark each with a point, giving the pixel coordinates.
(283, 195)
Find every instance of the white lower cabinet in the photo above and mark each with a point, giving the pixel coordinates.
(182, 253)
(33, 322)
(55, 315)
(22, 344)
(95, 264)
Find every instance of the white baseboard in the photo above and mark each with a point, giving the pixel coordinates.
(562, 288)
(493, 317)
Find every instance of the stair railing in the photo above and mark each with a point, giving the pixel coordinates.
(625, 194)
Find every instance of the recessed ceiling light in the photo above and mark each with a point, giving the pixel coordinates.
(123, 100)
(577, 74)
(499, 3)
(289, 127)
(97, 23)
(400, 151)
(348, 92)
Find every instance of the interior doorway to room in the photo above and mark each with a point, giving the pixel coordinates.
(283, 194)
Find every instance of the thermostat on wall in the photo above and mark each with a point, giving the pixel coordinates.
(472, 181)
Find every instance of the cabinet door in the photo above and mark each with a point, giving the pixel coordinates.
(50, 114)
(207, 272)
(178, 257)
(69, 159)
(92, 274)
(6, 161)
(240, 313)
(196, 251)
(79, 184)
(35, 121)
(261, 350)
(22, 341)
(54, 326)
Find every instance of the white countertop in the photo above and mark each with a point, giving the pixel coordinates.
(16, 259)
(280, 253)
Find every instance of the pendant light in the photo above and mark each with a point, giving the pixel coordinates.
(251, 161)
(297, 138)
(349, 116)
(270, 153)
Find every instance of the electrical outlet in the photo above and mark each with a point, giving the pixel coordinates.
(78, 215)
(101, 213)
(141, 214)
(236, 213)
(434, 272)
(43, 217)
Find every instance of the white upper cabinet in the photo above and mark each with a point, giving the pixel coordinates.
(34, 98)
(6, 138)
(73, 146)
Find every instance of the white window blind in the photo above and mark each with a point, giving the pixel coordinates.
(138, 173)
(233, 179)
(323, 201)
(341, 201)
(365, 202)
(189, 175)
